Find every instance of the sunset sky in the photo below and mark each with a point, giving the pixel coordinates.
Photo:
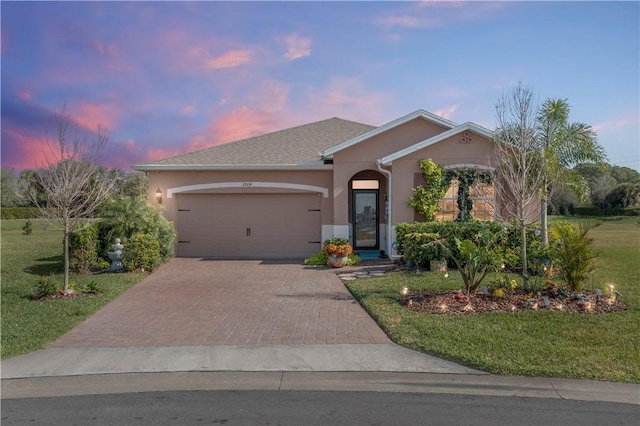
(165, 78)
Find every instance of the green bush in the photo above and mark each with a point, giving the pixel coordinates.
(571, 252)
(45, 286)
(142, 252)
(92, 287)
(319, 259)
(125, 216)
(507, 244)
(316, 259)
(19, 212)
(421, 247)
(27, 229)
(83, 250)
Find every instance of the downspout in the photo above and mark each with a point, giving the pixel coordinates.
(389, 176)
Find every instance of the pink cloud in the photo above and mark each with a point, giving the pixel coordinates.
(439, 13)
(297, 46)
(237, 124)
(348, 98)
(24, 96)
(266, 113)
(446, 112)
(26, 152)
(90, 115)
(230, 59)
(613, 124)
(154, 153)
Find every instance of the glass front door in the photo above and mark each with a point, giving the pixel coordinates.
(365, 219)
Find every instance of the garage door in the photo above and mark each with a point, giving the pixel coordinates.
(248, 226)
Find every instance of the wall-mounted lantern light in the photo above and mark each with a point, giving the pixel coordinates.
(159, 196)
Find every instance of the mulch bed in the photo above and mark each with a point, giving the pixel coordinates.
(69, 296)
(456, 303)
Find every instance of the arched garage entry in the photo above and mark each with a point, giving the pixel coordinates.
(256, 220)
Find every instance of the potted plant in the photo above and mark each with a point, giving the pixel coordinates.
(337, 251)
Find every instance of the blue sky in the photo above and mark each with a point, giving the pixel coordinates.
(169, 77)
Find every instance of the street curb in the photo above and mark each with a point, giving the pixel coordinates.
(465, 384)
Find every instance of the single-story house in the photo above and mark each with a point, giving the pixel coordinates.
(281, 194)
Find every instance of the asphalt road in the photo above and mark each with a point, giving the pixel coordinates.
(310, 408)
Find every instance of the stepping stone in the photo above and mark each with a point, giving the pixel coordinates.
(377, 272)
(347, 278)
(360, 273)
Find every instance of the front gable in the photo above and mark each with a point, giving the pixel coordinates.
(388, 139)
(466, 143)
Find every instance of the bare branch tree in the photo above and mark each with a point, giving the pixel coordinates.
(519, 171)
(74, 184)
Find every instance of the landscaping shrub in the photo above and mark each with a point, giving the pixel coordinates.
(83, 250)
(19, 212)
(410, 238)
(91, 287)
(125, 216)
(571, 251)
(45, 286)
(141, 252)
(421, 247)
(27, 229)
(319, 259)
(316, 259)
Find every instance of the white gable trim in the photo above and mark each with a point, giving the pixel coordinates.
(442, 136)
(395, 123)
(217, 185)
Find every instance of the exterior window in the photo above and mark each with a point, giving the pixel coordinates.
(481, 194)
(365, 184)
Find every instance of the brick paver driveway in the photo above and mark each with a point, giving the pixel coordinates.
(195, 302)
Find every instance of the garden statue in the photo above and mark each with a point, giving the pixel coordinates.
(115, 256)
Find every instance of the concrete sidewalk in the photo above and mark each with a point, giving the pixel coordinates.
(381, 368)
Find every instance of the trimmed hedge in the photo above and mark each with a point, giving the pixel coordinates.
(610, 211)
(412, 237)
(19, 212)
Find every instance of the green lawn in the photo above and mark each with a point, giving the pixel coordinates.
(603, 347)
(28, 325)
(554, 344)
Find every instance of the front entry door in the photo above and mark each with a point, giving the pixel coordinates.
(365, 219)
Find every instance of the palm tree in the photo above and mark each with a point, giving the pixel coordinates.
(564, 145)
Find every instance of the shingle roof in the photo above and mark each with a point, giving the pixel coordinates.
(288, 146)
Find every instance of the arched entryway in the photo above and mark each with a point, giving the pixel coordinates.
(367, 210)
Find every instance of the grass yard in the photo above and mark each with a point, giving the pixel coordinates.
(535, 343)
(29, 325)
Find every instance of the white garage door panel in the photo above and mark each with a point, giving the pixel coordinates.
(248, 226)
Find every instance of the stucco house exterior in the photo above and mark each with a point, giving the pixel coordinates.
(281, 194)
